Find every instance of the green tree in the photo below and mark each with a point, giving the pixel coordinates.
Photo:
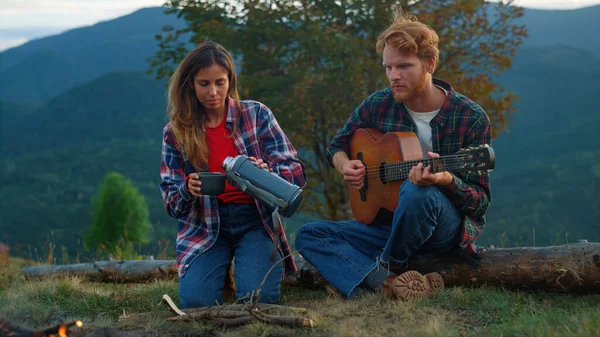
(120, 216)
(314, 61)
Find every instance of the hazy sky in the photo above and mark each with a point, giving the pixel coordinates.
(22, 20)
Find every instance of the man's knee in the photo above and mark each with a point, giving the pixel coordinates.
(309, 232)
(418, 193)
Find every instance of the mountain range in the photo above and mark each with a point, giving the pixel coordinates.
(78, 105)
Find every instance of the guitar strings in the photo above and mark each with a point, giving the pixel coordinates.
(405, 170)
(414, 162)
(446, 163)
(390, 174)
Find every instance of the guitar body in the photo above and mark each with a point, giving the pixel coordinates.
(375, 149)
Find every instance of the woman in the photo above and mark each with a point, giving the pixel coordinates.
(208, 122)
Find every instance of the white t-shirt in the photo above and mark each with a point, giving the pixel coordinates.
(422, 120)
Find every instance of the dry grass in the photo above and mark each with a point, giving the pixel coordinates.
(131, 310)
(374, 315)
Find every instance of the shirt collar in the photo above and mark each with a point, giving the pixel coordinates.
(232, 110)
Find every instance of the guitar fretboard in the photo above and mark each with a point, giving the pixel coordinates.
(400, 170)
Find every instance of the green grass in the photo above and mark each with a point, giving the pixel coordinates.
(133, 309)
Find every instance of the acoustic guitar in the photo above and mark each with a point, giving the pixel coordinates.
(388, 159)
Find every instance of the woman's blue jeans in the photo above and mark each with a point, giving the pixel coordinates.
(242, 235)
(345, 252)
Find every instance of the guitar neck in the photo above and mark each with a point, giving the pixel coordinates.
(400, 170)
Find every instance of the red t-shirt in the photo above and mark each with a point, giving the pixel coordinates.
(220, 146)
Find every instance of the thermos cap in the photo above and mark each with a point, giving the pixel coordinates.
(227, 163)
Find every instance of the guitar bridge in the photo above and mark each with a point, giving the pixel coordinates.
(363, 190)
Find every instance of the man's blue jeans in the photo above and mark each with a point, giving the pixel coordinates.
(242, 235)
(345, 252)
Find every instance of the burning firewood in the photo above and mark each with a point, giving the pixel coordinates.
(9, 330)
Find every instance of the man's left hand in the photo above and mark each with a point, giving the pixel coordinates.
(425, 177)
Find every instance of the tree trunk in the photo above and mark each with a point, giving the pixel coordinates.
(573, 268)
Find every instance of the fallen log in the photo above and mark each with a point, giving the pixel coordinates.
(573, 268)
(125, 271)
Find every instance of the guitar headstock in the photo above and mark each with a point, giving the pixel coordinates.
(476, 159)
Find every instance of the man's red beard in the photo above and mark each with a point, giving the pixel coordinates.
(412, 92)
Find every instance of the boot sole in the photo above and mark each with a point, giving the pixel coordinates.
(412, 285)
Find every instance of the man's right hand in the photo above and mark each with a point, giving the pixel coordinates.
(354, 173)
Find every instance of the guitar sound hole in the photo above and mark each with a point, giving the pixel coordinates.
(382, 177)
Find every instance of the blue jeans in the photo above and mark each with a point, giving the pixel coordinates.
(345, 252)
(242, 235)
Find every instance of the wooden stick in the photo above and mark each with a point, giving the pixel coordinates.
(214, 314)
(172, 307)
(238, 306)
(236, 314)
(235, 322)
(294, 322)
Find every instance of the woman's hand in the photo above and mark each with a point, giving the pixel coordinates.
(260, 163)
(194, 184)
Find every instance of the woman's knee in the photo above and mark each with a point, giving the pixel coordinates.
(259, 277)
(269, 293)
(202, 283)
(199, 295)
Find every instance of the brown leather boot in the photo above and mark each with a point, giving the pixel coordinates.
(411, 285)
(436, 282)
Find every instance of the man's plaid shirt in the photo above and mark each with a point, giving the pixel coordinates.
(259, 135)
(460, 123)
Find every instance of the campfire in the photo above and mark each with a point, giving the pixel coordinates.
(61, 330)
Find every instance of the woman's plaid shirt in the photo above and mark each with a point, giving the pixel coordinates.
(460, 123)
(259, 135)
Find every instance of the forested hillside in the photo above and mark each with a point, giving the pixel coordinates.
(76, 106)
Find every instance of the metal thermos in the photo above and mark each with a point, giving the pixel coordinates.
(263, 185)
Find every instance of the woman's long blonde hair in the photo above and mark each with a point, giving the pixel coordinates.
(186, 114)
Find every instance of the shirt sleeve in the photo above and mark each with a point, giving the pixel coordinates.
(341, 142)
(279, 151)
(177, 199)
(470, 193)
